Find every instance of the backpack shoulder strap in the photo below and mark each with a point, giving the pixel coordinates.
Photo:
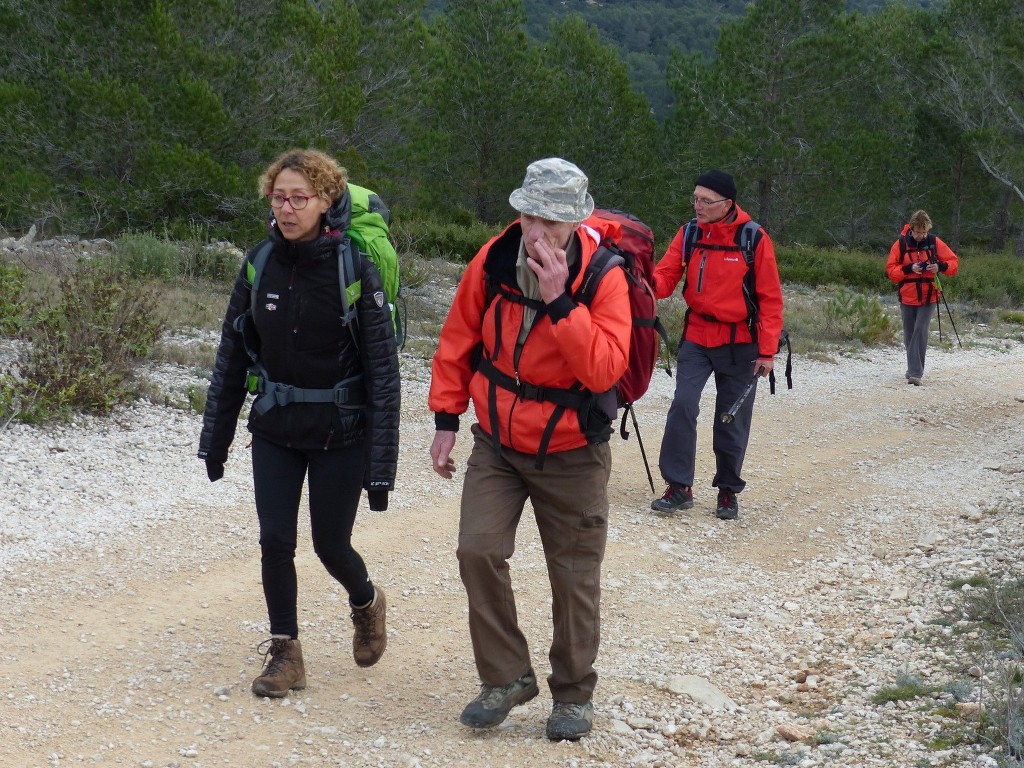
(690, 235)
(601, 263)
(255, 266)
(903, 246)
(747, 239)
(350, 283)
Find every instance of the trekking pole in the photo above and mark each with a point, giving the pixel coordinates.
(730, 416)
(640, 442)
(942, 296)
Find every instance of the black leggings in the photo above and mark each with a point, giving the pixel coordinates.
(335, 485)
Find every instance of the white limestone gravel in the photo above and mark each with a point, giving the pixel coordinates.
(132, 604)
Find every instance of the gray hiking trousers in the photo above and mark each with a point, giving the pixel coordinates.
(733, 367)
(916, 322)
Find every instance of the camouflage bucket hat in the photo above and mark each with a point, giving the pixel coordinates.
(553, 189)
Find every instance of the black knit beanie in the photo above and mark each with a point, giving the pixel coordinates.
(720, 181)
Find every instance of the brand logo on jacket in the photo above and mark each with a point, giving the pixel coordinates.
(270, 307)
(378, 297)
(730, 258)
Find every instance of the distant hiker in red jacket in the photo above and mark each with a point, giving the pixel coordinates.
(539, 368)
(731, 329)
(915, 259)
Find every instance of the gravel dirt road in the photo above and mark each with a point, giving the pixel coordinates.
(132, 607)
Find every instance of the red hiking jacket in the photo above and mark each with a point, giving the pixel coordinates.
(590, 344)
(918, 290)
(714, 287)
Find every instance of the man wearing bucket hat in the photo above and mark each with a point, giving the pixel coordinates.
(535, 364)
(726, 332)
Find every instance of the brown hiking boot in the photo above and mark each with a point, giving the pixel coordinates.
(283, 668)
(371, 635)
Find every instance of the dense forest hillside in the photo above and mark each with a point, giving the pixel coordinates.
(838, 120)
(649, 32)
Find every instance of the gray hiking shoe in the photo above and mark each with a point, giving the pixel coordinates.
(495, 701)
(675, 498)
(728, 507)
(569, 722)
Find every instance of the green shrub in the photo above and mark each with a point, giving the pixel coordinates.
(907, 687)
(428, 237)
(84, 349)
(12, 289)
(811, 266)
(144, 255)
(859, 316)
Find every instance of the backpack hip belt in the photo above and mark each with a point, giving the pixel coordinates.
(346, 393)
(574, 397)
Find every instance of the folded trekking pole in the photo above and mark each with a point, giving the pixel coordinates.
(640, 441)
(730, 416)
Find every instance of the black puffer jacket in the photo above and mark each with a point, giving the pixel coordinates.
(303, 343)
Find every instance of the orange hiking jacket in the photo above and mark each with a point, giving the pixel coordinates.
(918, 290)
(589, 345)
(714, 289)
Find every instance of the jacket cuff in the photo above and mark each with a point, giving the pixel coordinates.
(943, 266)
(446, 422)
(560, 308)
(908, 269)
(378, 500)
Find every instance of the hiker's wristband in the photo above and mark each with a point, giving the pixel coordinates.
(560, 308)
(446, 422)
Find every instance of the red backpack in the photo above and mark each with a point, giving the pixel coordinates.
(634, 252)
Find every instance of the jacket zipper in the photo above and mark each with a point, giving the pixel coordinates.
(516, 355)
(293, 303)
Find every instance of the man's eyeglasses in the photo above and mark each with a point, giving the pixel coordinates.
(701, 201)
(298, 201)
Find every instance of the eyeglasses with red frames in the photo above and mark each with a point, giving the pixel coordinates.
(298, 202)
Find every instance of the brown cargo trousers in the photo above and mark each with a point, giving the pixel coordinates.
(570, 503)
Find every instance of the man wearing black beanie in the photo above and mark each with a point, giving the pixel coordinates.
(731, 329)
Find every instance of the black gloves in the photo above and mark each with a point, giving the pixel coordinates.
(378, 500)
(214, 470)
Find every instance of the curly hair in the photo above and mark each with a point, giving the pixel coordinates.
(325, 176)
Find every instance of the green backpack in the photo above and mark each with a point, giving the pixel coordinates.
(368, 230)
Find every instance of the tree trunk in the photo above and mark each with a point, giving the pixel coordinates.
(1001, 225)
(764, 203)
(956, 232)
